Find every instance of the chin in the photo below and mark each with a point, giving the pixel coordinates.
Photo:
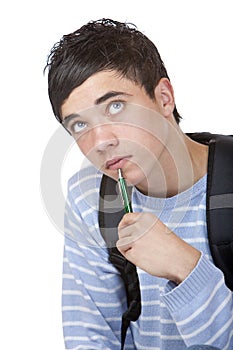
(132, 173)
(135, 177)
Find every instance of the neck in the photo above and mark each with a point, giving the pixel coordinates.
(180, 166)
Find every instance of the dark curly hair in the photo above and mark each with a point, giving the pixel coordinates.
(99, 46)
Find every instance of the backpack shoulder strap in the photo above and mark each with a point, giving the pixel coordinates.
(219, 201)
(220, 204)
(110, 213)
(110, 210)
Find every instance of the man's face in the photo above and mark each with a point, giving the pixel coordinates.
(116, 125)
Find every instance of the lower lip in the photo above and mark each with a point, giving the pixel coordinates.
(118, 165)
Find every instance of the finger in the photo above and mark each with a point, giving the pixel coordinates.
(123, 245)
(128, 219)
(126, 250)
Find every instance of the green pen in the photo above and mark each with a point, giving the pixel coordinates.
(124, 193)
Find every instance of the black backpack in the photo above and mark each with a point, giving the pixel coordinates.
(219, 214)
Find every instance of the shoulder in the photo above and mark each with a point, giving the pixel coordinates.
(82, 205)
(83, 187)
(85, 179)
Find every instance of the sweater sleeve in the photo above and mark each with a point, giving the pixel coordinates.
(202, 307)
(85, 326)
(93, 297)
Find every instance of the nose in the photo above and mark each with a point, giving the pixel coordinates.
(103, 138)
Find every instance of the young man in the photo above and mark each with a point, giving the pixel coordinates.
(110, 90)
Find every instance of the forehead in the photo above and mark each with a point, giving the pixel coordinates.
(84, 96)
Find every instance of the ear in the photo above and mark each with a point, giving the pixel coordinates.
(164, 96)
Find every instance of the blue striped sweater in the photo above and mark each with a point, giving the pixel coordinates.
(199, 310)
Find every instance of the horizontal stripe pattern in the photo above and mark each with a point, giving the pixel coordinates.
(93, 298)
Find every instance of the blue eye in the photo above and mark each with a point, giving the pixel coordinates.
(78, 126)
(115, 107)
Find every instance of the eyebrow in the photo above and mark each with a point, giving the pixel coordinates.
(98, 101)
(69, 117)
(110, 94)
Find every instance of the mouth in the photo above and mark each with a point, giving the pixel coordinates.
(116, 163)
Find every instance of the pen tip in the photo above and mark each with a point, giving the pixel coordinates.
(119, 173)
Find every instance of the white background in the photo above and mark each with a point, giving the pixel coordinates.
(195, 42)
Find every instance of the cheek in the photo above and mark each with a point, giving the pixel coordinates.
(85, 145)
(89, 148)
(148, 144)
(149, 131)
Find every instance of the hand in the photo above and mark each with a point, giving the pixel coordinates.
(149, 244)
